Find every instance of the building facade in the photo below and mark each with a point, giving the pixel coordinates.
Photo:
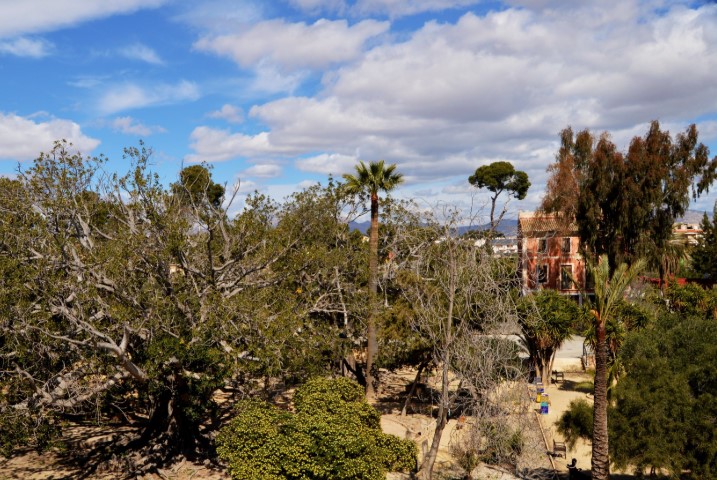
(548, 256)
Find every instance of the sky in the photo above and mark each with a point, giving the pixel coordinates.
(277, 95)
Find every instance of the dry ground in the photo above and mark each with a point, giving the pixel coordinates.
(82, 442)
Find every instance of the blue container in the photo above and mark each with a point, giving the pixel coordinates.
(544, 402)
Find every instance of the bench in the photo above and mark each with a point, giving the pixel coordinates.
(559, 449)
(559, 375)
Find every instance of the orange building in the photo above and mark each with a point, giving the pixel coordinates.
(548, 256)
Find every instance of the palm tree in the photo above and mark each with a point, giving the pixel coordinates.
(609, 290)
(546, 323)
(667, 260)
(370, 180)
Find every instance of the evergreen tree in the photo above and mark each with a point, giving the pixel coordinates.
(499, 177)
(704, 254)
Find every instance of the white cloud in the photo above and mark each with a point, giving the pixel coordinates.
(26, 47)
(21, 138)
(316, 6)
(228, 112)
(142, 53)
(390, 8)
(130, 126)
(294, 46)
(266, 170)
(130, 96)
(708, 131)
(400, 8)
(269, 79)
(32, 16)
(328, 163)
(212, 145)
(499, 86)
(221, 16)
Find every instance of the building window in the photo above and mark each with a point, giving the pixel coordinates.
(589, 280)
(543, 245)
(542, 274)
(566, 277)
(566, 246)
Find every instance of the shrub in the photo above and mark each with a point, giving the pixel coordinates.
(501, 443)
(576, 422)
(334, 434)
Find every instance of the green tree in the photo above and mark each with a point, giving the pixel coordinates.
(664, 411)
(629, 316)
(196, 188)
(546, 321)
(369, 180)
(704, 254)
(625, 204)
(116, 297)
(334, 434)
(609, 291)
(576, 422)
(499, 177)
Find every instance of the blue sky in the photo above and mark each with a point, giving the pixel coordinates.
(279, 94)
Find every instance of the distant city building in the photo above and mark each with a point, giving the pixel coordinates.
(548, 256)
(687, 233)
(501, 246)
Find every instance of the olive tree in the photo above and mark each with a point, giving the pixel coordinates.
(119, 295)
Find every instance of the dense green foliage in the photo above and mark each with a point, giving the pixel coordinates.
(334, 434)
(666, 405)
(704, 254)
(119, 297)
(196, 188)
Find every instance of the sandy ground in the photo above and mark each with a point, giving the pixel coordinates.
(561, 394)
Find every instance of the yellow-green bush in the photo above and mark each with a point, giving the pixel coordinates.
(334, 435)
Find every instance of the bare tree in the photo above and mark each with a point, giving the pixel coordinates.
(462, 303)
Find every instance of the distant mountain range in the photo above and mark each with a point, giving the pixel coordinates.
(509, 226)
(692, 216)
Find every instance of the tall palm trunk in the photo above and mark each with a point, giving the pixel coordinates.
(373, 295)
(600, 458)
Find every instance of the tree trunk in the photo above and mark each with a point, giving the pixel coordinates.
(373, 294)
(349, 363)
(551, 360)
(425, 472)
(600, 457)
(421, 367)
(492, 215)
(662, 278)
(169, 432)
(546, 373)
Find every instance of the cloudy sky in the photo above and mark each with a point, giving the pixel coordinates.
(280, 94)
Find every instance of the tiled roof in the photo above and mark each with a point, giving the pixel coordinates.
(532, 223)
